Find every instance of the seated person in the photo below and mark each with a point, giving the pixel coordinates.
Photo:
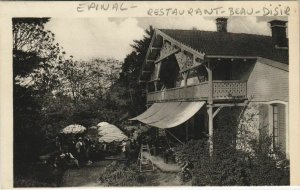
(66, 159)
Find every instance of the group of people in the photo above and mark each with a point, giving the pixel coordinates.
(80, 150)
(77, 153)
(130, 150)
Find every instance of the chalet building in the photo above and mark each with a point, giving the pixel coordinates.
(192, 75)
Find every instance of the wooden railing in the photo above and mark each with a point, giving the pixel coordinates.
(222, 90)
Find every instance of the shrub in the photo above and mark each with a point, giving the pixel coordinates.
(117, 174)
(232, 166)
(229, 166)
(224, 168)
(268, 167)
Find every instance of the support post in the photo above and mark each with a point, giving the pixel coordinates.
(155, 86)
(158, 70)
(185, 76)
(210, 84)
(210, 130)
(147, 88)
(186, 131)
(210, 109)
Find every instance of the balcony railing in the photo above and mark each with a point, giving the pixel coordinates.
(222, 90)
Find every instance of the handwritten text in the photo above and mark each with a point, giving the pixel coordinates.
(93, 6)
(269, 10)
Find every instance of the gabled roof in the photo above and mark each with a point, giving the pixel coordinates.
(275, 64)
(229, 44)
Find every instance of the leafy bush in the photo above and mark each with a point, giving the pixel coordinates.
(232, 166)
(117, 174)
(268, 167)
(224, 168)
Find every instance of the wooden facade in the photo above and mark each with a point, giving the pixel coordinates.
(174, 71)
(268, 83)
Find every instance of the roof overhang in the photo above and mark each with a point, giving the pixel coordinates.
(150, 61)
(229, 57)
(179, 47)
(269, 62)
(273, 63)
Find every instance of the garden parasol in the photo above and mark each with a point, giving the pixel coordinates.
(73, 129)
(109, 133)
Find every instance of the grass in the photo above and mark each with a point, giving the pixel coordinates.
(35, 175)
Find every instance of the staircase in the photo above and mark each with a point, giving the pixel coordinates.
(144, 162)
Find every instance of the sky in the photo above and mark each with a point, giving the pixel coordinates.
(86, 38)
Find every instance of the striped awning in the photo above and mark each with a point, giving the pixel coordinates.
(169, 114)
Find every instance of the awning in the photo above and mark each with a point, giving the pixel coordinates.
(169, 114)
(149, 112)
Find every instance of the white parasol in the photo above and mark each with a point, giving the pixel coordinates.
(73, 129)
(109, 133)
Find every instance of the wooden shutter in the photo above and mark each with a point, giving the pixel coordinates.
(263, 118)
(282, 127)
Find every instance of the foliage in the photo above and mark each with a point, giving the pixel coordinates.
(127, 92)
(29, 35)
(32, 48)
(232, 166)
(39, 176)
(268, 166)
(117, 174)
(52, 90)
(89, 79)
(35, 54)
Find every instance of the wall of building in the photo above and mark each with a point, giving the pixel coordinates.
(257, 121)
(267, 83)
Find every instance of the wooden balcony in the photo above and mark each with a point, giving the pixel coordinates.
(222, 90)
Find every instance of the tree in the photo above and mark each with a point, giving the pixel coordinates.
(35, 53)
(29, 35)
(35, 56)
(127, 90)
(52, 90)
(88, 79)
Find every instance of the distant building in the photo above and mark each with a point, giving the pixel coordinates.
(191, 75)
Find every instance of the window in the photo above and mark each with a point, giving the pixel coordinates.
(278, 121)
(275, 126)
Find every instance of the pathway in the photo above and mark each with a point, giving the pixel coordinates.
(88, 176)
(160, 164)
(85, 176)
